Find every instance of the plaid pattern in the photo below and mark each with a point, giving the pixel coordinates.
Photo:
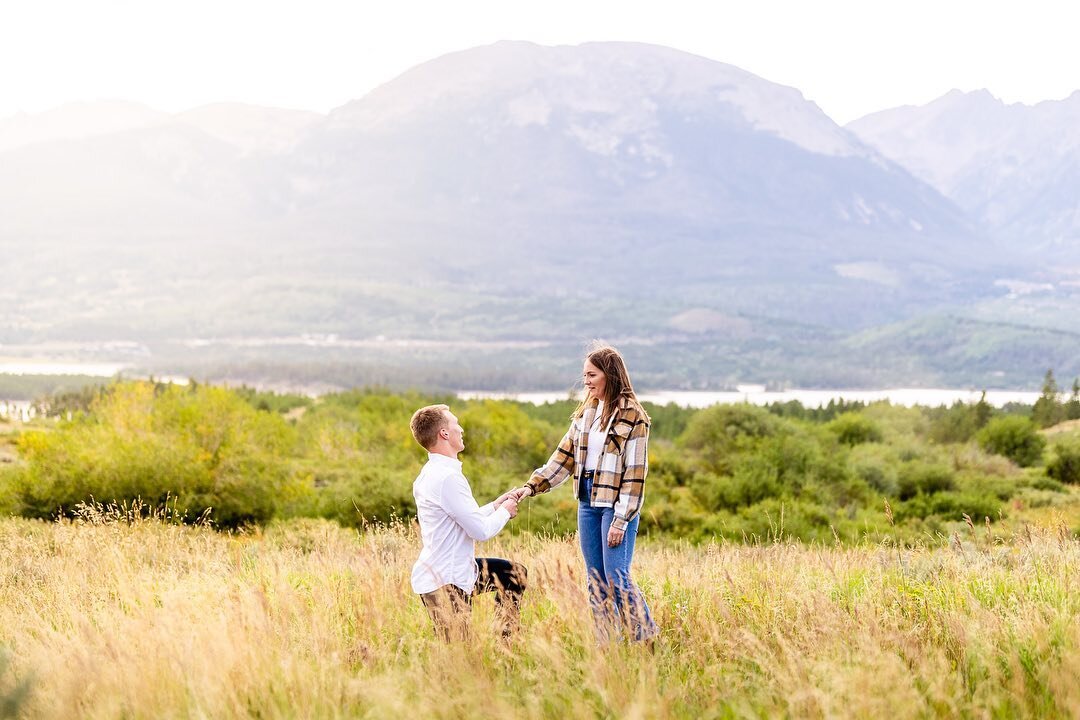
(620, 473)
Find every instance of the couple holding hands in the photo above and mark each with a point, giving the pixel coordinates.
(605, 451)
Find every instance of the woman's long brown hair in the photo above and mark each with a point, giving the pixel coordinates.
(607, 360)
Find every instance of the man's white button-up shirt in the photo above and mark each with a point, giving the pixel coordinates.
(450, 524)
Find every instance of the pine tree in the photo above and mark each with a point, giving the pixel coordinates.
(983, 412)
(1048, 409)
(1072, 407)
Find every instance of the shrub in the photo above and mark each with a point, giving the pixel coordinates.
(852, 428)
(917, 477)
(1064, 466)
(723, 432)
(357, 495)
(951, 505)
(197, 448)
(877, 467)
(752, 483)
(723, 428)
(503, 433)
(957, 423)
(1014, 437)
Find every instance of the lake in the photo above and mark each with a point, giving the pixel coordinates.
(754, 394)
(49, 367)
(757, 395)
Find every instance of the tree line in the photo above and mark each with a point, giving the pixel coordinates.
(242, 457)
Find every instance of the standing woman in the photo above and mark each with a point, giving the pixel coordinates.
(606, 452)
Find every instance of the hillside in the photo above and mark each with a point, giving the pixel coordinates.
(506, 194)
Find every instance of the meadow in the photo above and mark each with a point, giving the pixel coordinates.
(205, 552)
(115, 615)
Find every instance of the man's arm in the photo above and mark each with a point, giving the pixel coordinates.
(459, 503)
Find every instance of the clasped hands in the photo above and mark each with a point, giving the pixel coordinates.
(511, 498)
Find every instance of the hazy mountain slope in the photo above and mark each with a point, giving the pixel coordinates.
(251, 128)
(946, 349)
(695, 169)
(74, 121)
(1015, 168)
(509, 193)
(165, 183)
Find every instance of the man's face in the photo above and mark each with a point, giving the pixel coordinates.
(454, 432)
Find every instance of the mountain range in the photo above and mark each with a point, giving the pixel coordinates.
(522, 193)
(1014, 169)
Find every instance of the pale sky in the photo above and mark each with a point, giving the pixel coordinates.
(851, 57)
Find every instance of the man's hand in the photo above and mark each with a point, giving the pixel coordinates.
(614, 536)
(517, 494)
(511, 506)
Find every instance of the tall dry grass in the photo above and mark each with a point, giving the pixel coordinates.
(114, 618)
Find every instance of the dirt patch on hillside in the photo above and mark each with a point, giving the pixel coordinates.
(296, 413)
(8, 453)
(1069, 426)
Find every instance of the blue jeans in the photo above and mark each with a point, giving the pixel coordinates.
(617, 603)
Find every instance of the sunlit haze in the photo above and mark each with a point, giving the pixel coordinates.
(849, 57)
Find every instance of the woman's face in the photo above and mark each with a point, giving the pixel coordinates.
(595, 382)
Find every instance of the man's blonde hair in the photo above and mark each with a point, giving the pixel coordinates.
(427, 422)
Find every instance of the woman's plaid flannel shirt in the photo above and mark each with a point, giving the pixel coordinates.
(619, 481)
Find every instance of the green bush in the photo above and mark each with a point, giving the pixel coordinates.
(668, 467)
(877, 466)
(200, 449)
(357, 495)
(852, 428)
(501, 433)
(1046, 483)
(8, 499)
(1014, 437)
(951, 506)
(921, 478)
(722, 430)
(753, 482)
(959, 422)
(1064, 465)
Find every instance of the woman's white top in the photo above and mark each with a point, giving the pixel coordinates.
(597, 436)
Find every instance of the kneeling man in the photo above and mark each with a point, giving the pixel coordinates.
(447, 574)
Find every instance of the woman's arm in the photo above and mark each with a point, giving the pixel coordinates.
(558, 467)
(635, 468)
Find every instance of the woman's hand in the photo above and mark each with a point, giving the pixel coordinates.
(614, 536)
(518, 494)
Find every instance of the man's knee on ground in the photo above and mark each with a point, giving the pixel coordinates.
(519, 575)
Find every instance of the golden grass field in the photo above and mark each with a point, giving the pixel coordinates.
(108, 618)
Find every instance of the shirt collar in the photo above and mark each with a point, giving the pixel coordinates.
(444, 460)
